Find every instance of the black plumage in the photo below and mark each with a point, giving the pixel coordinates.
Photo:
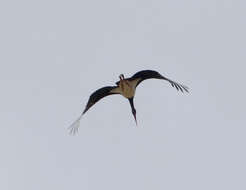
(125, 87)
(97, 95)
(150, 74)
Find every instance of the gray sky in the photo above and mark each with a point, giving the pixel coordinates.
(54, 54)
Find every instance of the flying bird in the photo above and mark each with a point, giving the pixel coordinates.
(126, 87)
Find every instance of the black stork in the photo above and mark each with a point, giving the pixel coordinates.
(126, 87)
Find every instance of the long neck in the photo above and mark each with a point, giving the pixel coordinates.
(133, 109)
(132, 104)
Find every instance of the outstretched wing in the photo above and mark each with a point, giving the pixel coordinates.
(94, 97)
(99, 94)
(149, 74)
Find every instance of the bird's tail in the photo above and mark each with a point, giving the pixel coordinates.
(73, 129)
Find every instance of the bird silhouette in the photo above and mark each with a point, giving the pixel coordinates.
(126, 87)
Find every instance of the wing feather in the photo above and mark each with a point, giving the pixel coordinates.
(99, 94)
(150, 74)
(94, 98)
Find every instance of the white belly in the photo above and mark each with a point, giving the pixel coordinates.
(127, 90)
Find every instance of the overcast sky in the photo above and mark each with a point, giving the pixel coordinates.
(54, 54)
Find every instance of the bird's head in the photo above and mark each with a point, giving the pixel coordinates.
(121, 77)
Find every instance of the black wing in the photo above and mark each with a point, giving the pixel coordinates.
(149, 74)
(95, 97)
(98, 95)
